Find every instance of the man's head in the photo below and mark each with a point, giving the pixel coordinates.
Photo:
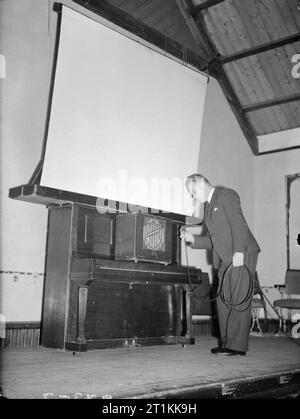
(198, 187)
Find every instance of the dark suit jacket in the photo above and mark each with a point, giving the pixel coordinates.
(227, 227)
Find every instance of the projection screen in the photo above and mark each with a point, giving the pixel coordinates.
(125, 120)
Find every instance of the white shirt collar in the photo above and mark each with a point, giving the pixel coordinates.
(210, 195)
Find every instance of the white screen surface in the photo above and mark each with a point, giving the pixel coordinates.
(125, 120)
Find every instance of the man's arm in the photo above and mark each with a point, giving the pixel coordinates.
(202, 242)
(238, 225)
(195, 240)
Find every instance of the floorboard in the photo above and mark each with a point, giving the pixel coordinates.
(142, 372)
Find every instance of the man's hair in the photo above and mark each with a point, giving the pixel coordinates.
(194, 177)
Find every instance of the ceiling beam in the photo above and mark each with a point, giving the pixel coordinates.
(191, 24)
(261, 48)
(124, 20)
(194, 10)
(277, 150)
(215, 68)
(272, 102)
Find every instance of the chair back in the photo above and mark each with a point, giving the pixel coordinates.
(292, 281)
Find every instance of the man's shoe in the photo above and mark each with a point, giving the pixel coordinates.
(216, 350)
(227, 352)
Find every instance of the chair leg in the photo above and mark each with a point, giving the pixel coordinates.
(255, 321)
(265, 319)
(281, 329)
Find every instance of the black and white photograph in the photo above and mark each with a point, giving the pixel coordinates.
(150, 202)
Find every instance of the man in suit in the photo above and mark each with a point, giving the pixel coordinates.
(233, 243)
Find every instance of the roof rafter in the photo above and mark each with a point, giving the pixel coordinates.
(194, 10)
(273, 102)
(214, 67)
(261, 48)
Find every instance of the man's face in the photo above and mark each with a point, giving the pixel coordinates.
(198, 190)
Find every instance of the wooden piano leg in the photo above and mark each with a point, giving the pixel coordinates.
(82, 302)
(179, 310)
(186, 314)
(79, 345)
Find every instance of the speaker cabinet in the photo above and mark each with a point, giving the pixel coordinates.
(143, 237)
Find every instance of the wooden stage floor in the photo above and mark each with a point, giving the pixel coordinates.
(166, 372)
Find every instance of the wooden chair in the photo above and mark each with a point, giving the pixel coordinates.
(290, 288)
(258, 303)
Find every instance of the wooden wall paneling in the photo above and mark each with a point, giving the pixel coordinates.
(28, 338)
(15, 338)
(36, 337)
(22, 337)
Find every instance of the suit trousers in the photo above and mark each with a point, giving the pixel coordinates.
(235, 318)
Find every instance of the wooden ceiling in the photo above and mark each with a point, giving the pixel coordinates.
(248, 45)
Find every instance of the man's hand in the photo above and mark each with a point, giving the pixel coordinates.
(187, 236)
(238, 259)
